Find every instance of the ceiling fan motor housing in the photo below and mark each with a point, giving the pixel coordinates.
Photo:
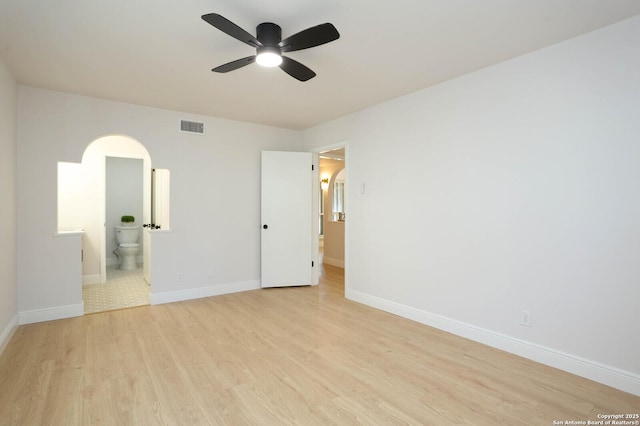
(269, 34)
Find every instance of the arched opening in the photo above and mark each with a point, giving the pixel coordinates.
(114, 179)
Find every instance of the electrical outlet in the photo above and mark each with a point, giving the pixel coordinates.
(179, 276)
(525, 318)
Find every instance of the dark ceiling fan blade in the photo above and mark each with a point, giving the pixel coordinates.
(228, 27)
(234, 65)
(311, 37)
(296, 70)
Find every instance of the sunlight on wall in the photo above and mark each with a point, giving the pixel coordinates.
(71, 186)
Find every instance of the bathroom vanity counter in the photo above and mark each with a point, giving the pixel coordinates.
(69, 232)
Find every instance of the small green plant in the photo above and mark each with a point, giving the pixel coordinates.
(128, 219)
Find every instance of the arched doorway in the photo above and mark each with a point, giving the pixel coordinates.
(113, 179)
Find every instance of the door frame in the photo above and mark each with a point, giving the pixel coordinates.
(146, 206)
(317, 150)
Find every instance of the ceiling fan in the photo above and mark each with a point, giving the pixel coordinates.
(270, 46)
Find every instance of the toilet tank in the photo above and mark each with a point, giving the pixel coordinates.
(127, 234)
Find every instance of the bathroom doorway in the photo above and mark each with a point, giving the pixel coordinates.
(124, 196)
(118, 174)
(332, 212)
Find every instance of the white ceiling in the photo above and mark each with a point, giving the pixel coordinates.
(160, 53)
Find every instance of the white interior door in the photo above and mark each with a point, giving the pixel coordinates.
(146, 235)
(158, 215)
(287, 219)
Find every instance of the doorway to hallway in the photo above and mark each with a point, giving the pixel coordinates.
(332, 206)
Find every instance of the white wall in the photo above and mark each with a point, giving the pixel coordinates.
(124, 197)
(214, 239)
(8, 289)
(513, 188)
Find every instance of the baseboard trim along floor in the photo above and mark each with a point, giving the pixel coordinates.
(8, 332)
(610, 376)
(50, 314)
(199, 292)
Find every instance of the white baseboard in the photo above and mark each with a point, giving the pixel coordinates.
(200, 292)
(7, 333)
(610, 376)
(91, 279)
(333, 262)
(50, 314)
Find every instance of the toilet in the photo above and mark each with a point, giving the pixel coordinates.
(128, 247)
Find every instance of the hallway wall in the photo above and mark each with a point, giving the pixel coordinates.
(8, 223)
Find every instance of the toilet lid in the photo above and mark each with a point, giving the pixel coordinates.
(129, 245)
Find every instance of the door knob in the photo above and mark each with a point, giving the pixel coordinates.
(265, 226)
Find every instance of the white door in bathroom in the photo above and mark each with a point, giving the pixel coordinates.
(287, 252)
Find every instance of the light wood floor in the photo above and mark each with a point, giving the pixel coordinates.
(299, 356)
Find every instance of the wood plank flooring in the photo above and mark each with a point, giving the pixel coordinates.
(293, 356)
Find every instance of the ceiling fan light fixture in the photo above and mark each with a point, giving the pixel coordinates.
(269, 57)
(269, 45)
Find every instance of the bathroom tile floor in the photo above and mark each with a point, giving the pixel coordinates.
(123, 289)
